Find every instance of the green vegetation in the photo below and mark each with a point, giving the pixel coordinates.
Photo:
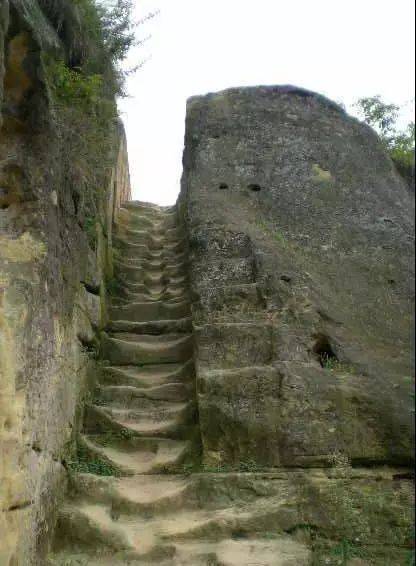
(84, 80)
(321, 177)
(90, 227)
(366, 520)
(271, 230)
(96, 34)
(86, 463)
(114, 287)
(279, 237)
(333, 364)
(400, 143)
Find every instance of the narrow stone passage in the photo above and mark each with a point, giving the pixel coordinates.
(135, 503)
(147, 392)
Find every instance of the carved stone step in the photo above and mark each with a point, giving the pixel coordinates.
(138, 494)
(172, 421)
(125, 393)
(183, 325)
(143, 312)
(154, 281)
(130, 349)
(186, 534)
(152, 286)
(148, 376)
(138, 455)
(158, 264)
(160, 258)
(168, 295)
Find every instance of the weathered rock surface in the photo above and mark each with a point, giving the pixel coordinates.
(301, 239)
(50, 306)
(139, 492)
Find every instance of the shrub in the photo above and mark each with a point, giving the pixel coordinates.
(400, 144)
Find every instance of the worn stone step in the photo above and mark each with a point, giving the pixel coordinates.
(125, 304)
(88, 526)
(173, 421)
(157, 231)
(154, 258)
(168, 251)
(141, 275)
(155, 282)
(131, 349)
(193, 532)
(168, 295)
(137, 494)
(142, 215)
(281, 551)
(148, 376)
(169, 267)
(151, 411)
(128, 221)
(158, 264)
(92, 527)
(144, 312)
(154, 224)
(152, 288)
(102, 420)
(127, 393)
(154, 265)
(145, 235)
(148, 207)
(138, 455)
(128, 246)
(140, 293)
(183, 325)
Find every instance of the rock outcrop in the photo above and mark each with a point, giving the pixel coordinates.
(54, 261)
(301, 238)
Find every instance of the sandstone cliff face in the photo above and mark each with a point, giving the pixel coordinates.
(53, 263)
(301, 240)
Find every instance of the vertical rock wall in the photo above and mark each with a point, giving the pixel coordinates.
(52, 289)
(301, 235)
(301, 239)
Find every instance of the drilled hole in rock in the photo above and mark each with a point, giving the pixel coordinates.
(255, 188)
(324, 351)
(223, 186)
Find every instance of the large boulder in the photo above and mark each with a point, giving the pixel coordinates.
(301, 242)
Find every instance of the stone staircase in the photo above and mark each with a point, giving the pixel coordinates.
(133, 499)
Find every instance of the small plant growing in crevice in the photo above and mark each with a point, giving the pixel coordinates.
(327, 357)
(114, 287)
(86, 463)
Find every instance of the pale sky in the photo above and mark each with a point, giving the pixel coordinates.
(342, 49)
